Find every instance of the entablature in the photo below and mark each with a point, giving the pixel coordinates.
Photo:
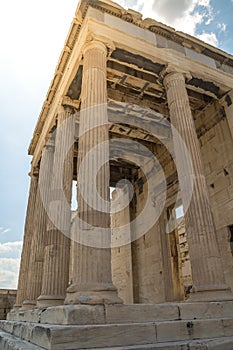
(135, 69)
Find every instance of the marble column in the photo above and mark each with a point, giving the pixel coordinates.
(35, 267)
(27, 241)
(92, 280)
(57, 251)
(208, 277)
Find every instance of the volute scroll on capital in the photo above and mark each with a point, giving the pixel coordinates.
(69, 105)
(98, 42)
(172, 73)
(34, 171)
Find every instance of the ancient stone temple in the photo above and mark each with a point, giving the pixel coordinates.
(139, 119)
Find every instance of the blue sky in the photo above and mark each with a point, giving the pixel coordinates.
(32, 37)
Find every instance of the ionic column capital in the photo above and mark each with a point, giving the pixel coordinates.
(100, 43)
(34, 171)
(94, 45)
(67, 104)
(174, 74)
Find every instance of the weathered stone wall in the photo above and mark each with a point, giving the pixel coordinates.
(152, 274)
(217, 153)
(7, 300)
(138, 267)
(148, 273)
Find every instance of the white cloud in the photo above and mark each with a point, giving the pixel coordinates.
(222, 27)
(172, 10)
(203, 3)
(189, 23)
(11, 247)
(127, 3)
(209, 16)
(5, 230)
(183, 15)
(9, 263)
(9, 273)
(209, 38)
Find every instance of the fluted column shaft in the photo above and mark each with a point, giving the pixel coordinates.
(92, 280)
(57, 250)
(204, 253)
(94, 131)
(35, 268)
(27, 241)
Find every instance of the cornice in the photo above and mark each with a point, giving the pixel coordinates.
(162, 29)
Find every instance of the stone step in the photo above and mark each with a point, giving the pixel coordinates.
(208, 344)
(84, 314)
(67, 337)
(10, 342)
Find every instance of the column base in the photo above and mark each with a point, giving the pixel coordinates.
(28, 305)
(211, 294)
(50, 300)
(16, 307)
(92, 294)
